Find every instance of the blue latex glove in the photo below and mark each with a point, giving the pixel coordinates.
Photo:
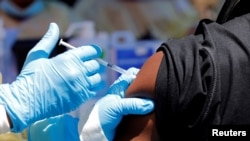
(105, 115)
(59, 128)
(109, 110)
(49, 87)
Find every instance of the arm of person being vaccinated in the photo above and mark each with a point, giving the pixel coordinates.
(145, 124)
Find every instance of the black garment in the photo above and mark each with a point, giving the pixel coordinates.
(232, 9)
(204, 80)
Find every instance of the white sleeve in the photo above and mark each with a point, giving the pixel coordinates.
(89, 126)
(92, 130)
(4, 124)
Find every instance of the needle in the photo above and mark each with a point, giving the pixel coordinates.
(101, 61)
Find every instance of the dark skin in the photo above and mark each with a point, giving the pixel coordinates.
(141, 128)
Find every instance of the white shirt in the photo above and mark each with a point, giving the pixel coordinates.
(4, 124)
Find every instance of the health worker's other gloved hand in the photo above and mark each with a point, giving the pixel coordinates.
(58, 128)
(49, 87)
(109, 110)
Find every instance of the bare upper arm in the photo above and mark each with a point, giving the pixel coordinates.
(144, 84)
(134, 127)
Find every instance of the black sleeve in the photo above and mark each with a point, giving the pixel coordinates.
(204, 80)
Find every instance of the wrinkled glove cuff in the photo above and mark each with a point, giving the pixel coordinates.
(13, 108)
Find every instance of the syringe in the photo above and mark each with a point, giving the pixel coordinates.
(101, 61)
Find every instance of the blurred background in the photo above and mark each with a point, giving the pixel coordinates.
(128, 31)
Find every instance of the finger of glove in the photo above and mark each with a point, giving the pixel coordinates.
(133, 70)
(136, 106)
(127, 78)
(121, 84)
(91, 67)
(87, 52)
(44, 47)
(95, 81)
(119, 88)
(99, 86)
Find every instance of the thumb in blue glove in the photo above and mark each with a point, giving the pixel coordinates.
(120, 85)
(108, 113)
(49, 87)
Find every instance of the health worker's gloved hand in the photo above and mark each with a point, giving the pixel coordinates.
(109, 110)
(64, 127)
(58, 128)
(49, 87)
